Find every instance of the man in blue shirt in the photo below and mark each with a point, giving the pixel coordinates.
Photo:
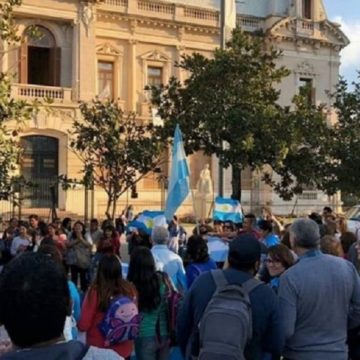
(319, 298)
(243, 259)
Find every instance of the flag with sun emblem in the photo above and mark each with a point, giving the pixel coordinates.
(148, 219)
(179, 187)
(227, 209)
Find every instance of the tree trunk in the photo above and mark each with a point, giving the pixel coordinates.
(113, 212)
(108, 206)
(236, 183)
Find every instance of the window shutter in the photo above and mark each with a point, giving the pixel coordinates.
(55, 66)
(23, 63)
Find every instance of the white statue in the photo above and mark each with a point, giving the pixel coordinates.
(204, 185)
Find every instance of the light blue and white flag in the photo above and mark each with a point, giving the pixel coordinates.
(218, 249)
(148, 219)
(227, 209)
(179, 187)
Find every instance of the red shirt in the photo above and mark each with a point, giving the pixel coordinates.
(90, 318)
(254, 232)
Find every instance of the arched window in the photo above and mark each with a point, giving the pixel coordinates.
(40, 58)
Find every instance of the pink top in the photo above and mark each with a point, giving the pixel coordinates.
(90, 318)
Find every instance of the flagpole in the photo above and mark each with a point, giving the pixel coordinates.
(194, 208)
(222, 47)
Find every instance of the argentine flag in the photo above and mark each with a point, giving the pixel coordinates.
(179, 187)
(227, 209)
(148, 219)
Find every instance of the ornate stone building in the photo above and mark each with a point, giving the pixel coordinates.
(113, 48)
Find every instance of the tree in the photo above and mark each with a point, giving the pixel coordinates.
(345, 151)
(229, 107)
(10, 109)
(116, 150)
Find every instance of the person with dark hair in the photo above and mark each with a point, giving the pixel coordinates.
(152, 342)
(108, 284)
(9, 234)
(319, 289)
(137, 238)
(319, 220)
(279, 259)
(267, 237)
(243, 264)
(70, 331)
(249, 226)
(34, 302)
(327, 211)
(52, 235)
(95, 233)
(109, 243)
(66, 227)
(197, 253)
(78, 256)
(22, 242)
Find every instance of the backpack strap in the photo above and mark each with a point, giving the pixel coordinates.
(219, 278)
(251, 284)
(84, 352)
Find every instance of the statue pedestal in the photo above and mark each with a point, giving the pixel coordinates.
(203, 203)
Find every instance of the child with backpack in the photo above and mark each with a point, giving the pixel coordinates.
(153, 340)
(109, 313)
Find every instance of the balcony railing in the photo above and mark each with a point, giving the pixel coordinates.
(120, 3)
(305, 27)
(147, 6)
(200, 14)
(164, 10)
(249, 23)
(26, 91)
(308, 195)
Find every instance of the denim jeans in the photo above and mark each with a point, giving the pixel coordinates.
(147, 348)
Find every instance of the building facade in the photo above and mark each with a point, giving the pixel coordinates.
(113, 48)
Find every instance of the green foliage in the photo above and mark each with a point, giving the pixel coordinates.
(7, 24)
(228, 106)
(116, 150)
(346, 148)
(10, 109)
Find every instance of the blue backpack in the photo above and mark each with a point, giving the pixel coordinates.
(121, 322)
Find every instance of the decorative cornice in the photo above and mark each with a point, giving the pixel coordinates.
(108, 49)
(140, 20)
(295, 30)
(155, 55)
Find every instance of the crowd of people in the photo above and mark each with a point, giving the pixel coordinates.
(280, 291)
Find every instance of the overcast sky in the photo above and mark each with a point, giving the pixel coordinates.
(347, 13)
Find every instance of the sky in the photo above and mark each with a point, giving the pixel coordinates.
(347, 13)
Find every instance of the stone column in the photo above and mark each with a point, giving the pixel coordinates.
(178, 71)
(87, 52)
(132, 76)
